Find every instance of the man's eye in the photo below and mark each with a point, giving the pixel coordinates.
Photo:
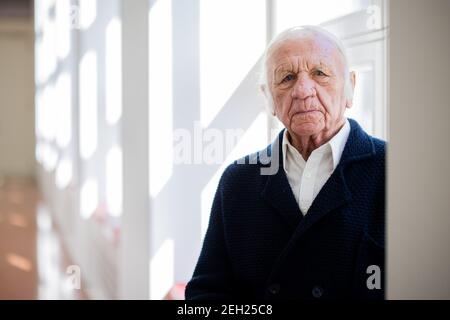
(320, 73)
(289, 77)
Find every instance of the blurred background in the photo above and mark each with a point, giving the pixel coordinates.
(96, 97)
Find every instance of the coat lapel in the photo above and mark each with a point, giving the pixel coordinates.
(336, 191)
(334, 194)
(277, 191)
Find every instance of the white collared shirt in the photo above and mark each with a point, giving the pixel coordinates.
(307, 178)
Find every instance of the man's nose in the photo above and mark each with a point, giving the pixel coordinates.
(304, 87)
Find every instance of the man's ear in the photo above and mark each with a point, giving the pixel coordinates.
(353, 79)
(350, 93)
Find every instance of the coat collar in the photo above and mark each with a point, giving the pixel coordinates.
(278, 193)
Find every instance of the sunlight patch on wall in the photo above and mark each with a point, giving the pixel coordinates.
(162, 270)
(46, 53)
(113, 79)
(47, 113)
(160, 96)
(88, 198)
(88, 104)
(63, 35)
(47, 155)
(232, 38)
(64, 173)
(364, 97)
(88, 13)
(63, 110)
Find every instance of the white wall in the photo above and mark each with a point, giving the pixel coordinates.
(64, 35)
(418, 257)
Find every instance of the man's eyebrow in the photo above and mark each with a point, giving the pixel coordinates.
(322, 65)
(284, 67)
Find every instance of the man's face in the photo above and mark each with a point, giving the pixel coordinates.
(306, 79)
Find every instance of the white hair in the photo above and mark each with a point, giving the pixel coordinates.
(297, 32)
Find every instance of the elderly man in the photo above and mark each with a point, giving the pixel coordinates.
(314, 229)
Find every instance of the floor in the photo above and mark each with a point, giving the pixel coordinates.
(33, 262)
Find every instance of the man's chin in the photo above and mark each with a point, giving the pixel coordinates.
(306, 129)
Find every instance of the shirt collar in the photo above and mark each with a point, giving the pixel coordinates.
(336, 144)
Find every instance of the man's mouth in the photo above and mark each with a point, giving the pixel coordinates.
(304, 112)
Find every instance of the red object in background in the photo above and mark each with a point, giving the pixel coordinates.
(176, 292)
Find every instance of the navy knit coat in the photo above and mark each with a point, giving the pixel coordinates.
(259, 245)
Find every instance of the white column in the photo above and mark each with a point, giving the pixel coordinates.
(135, 241)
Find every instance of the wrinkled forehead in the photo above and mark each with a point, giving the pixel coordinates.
(311, 48)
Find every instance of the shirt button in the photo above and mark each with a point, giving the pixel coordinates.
(317, 292)
(274, 288)
(308, 175)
